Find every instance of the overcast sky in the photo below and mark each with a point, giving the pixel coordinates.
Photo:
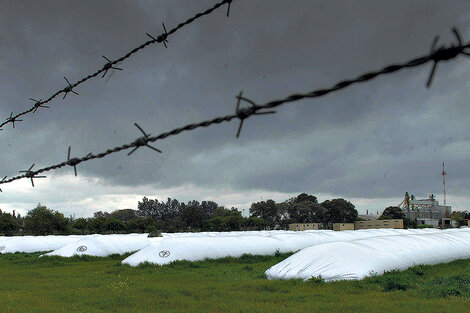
(369, 143)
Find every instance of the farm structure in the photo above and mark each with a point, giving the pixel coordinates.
(395, 223)
(303, 226)
(427, 211)
(371, 224)
(343, 226)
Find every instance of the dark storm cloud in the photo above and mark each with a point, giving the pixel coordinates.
(374, 140)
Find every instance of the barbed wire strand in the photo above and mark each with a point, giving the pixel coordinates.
(162, 38)
(435, 56)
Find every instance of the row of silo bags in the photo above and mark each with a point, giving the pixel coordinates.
(195, 248)
(31, 244)
(107, 244)
(357, 259)
(103, 245)
(327, 254)
(97, 245)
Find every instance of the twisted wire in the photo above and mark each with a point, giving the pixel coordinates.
(435, 56)
(110, 64)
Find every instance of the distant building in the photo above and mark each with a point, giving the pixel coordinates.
(343, 226)
(428, 221)
(373, 224)
(427, 211)
(303, 226)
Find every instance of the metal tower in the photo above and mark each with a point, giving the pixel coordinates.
(444, 182)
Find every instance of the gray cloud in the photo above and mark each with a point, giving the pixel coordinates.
(372, 141)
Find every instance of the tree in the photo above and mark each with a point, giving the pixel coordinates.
(304, 209)
(124, 215)
(96, 225)
(175, 224)
(42, 221)
(171, 209)
(226, 220)
(193, 216)
(234, 220)
(208, 208)
(143, 225)
(8, 224)
(307, 212)
(409, 223)
(217, 223)
(113, 225)
(303, 197)
(268, 211)
(60, 223)
(254, 223)
(458, 217)
(339, 211)
(160, 210)
(392, 212)
(80, 224)
(100, 214)
(147, 207)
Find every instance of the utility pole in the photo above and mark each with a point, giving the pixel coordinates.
(444, 182)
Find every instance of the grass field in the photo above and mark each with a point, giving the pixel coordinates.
(89, 284)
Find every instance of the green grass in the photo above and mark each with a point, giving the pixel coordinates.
(91, 284)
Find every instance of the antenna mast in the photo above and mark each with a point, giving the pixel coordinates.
(444, 182)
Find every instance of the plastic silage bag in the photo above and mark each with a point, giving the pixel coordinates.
(270, 233)
(230, 233)
(296, 241)
(364, 257)
(103, 245)
(195, 248)
(199, 248)
(31, 244)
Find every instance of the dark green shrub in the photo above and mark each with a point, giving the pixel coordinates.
(155, 233)
(424, 226)
(395, 280)
(419, 270)
(454, 286)
(316, 280)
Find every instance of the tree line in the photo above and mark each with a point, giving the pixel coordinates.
(154, 216)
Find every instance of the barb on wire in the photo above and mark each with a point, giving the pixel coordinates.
(68, 89)
(142, 141)
(228, 7)
(38, 104)
(31, 174)
(244, 113)
(1, 181)
(12, 119)
(164, 36)
(443, 54)
(73, 161)
(161, 38)
(109, 66)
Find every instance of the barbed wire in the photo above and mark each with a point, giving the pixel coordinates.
(435, 56)
(162, 38)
